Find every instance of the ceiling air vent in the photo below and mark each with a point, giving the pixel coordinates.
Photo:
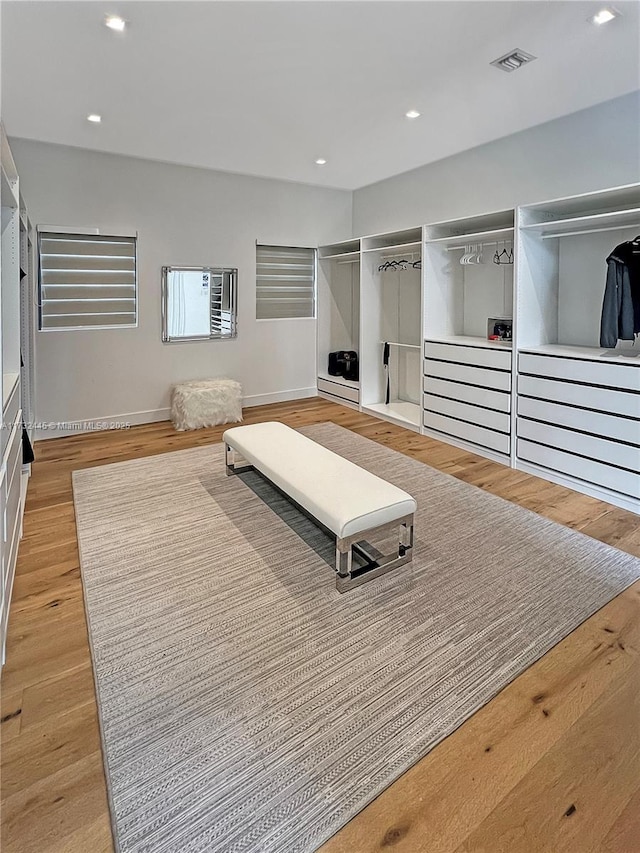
(513, 60)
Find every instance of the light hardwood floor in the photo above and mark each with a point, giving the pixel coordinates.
(551, 765)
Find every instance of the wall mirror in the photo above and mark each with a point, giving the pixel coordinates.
(199, 303)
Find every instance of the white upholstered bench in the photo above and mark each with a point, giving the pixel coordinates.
(343, 497)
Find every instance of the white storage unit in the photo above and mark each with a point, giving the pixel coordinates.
(28, 319)
(468, 378)
(338, 316)
(391, 313)
(467, 395)
(549, 401)
(15, 260)
(578, 404)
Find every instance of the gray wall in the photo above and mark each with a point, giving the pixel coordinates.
(183, 216)
(589, 150)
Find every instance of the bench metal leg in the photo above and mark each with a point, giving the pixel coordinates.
(347, 577)
(232, 465)
(344, 559)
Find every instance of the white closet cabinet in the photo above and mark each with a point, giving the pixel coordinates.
(467, 378)
(578, 405)
(15, 266)
(391, 313)
(338, 316)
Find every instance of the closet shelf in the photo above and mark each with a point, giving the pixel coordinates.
(343, 256)
(9, 381)
(8, 190)
(473, 237)
(392, 247)
(469, 341)
(339, 380)
(592, 222)
(610, 356)
(398, 411)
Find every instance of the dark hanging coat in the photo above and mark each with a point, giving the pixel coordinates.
(621, 305)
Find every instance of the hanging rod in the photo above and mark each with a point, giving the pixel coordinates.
(353, 261)
(396, 344)
(476, 243)
(589, 231)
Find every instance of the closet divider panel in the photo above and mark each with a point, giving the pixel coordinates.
(14, 271)
(469, 284)
(578, 404)
(392, 314)
(338, 316)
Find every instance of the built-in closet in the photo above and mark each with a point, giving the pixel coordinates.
(578, 404)
(339, 316)
(468, 299)
(391, 318)
(484, 332)
(16, 334)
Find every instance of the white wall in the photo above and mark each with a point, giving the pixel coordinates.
(183, 216)
(589, 150)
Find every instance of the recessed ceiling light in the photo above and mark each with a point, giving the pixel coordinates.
(413, 114)
(95, 118)
(114, 22)
(321, 161)
(604, 16)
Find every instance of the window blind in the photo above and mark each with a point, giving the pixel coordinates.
(285, 282)
(87, 281)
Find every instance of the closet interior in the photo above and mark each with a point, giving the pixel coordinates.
(16, 334)
(390, 361)
(468, 325)
(339, 320)
(578, 403)
(484, 332)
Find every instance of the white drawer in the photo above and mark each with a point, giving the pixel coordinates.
(472, 414)
(12, 506)
(624, 376)
(597, 423)
(588, 397)
(499, 401)
(10, 414)
(588, 470)
(469, 432)
(462, 354)
(13, 454)
(346, 392)
(590, 446)
(498, 380)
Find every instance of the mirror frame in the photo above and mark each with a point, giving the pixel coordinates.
(233, 301)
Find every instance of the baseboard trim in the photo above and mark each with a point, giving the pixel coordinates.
(46, 430)
(51, 429)
(279, 397)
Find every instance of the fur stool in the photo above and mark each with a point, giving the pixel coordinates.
(205, 402)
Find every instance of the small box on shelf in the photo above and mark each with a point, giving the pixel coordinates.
(500, 329)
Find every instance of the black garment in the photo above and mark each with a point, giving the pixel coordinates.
(27, 450)
(621, 304)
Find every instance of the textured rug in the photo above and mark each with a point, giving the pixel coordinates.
(245, 705)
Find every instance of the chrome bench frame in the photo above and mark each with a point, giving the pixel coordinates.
(376, 563)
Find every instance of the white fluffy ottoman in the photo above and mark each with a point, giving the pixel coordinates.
(205, 402)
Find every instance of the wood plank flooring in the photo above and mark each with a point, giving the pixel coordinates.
(551, 765)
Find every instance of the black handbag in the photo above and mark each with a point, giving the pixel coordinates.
(344, 363)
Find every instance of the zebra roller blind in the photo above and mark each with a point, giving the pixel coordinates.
(86, 281)
(285, 282)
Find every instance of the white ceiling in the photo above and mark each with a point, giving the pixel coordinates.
(265, 88)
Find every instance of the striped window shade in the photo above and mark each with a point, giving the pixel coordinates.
(87, 281)
(285, 282)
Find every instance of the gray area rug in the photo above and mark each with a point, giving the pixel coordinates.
(245, 704)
